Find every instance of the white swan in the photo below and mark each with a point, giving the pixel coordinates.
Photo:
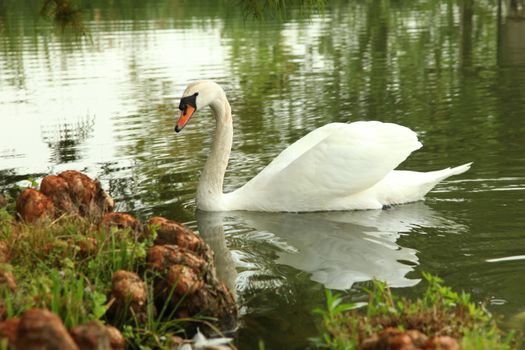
(335, 167)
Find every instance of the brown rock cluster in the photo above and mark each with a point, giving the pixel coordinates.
(395, 339)
(57, 189)
(442, 342)
(40, 329)
(34, 206)
(187, 279)
(116, 339)
(128, 293)
(171, 232)
(181, 267)
(185, 282)
(69, 192)
(8, 329)
(123, 221)
(94, 335)
(91, 335)
(85, 194)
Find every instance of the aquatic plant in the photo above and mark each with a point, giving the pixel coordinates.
(441, 314)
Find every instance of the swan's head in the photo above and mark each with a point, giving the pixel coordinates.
(198, 95)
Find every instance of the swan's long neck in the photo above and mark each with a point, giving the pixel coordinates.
(209, 190)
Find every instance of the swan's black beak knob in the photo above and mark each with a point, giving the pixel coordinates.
(188, 106)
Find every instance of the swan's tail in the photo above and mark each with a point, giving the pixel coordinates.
(457, 170)
(433, 177)
(408, 186)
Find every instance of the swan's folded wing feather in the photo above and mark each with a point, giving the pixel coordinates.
(337, 159)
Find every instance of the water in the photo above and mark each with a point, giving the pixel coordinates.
(452, 71)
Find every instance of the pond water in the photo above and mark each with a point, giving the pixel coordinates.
(454, 72)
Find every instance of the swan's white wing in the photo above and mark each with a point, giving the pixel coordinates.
(333, 161)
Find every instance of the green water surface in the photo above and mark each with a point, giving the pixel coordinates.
(453, 71)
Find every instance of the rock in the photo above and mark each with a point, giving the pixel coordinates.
(390, 338)
(171, 232)
(162, 257)
(91, 336)
(116, 339)
(129, 293)
(82, 187)
(7, 279)
(185, 279)
(56, 188)
(5, 252)
(87, 194)
(418, 338)
(441, 343)
(214, 300)
(188, 283)
(70, 193)
(3, 201)
(122, 221)
(8, 329)
(40, 329)
(33, 206)
(182, 270)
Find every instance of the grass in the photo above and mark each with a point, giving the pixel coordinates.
(66, 266)
(439, 312)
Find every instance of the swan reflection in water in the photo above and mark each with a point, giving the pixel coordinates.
(337, 249)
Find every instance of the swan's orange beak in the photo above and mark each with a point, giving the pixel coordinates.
(184, 117)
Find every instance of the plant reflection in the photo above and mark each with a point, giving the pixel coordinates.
(64, 14)
(511, 34)
(65, 140)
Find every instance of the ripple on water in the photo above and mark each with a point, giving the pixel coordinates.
(108, 105)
